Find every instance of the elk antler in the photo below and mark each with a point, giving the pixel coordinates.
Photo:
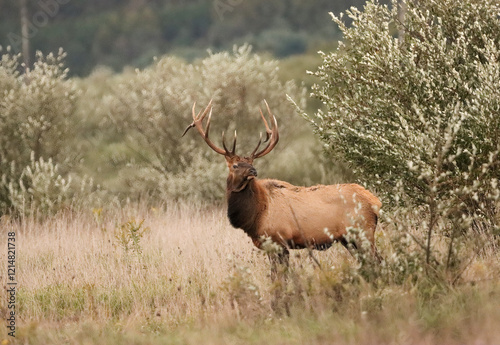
(272, 135)
(198, 123)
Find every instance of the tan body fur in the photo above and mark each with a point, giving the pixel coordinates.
(296, 217)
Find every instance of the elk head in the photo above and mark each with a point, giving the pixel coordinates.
(241, 170)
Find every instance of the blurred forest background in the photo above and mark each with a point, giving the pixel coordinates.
(130, 33)
(97, 117)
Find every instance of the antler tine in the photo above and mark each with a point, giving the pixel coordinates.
(224, 141)
(193, 110)
(271, 116)
(233, 151)
(198, 118)
(258, 145)
(192, 123)
(268, 131)
(207, 128)
(198, 123)
(272, 134)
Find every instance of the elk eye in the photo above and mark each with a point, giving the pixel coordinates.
(235, 166)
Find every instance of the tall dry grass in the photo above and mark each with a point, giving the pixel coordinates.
(73, 268)
(185, 250)
(191, 278)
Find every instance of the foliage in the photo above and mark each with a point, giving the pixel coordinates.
(36, 111)
(117, 33)
(153, 108)
(417, 115)
(36, 108)
(114, 129)
(129, 235)
(40, 188)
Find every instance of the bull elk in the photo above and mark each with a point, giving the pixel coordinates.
(292, 217)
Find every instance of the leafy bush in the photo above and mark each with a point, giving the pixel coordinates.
(40, 188)
(417, 115)
(36, 110)
(153, 108)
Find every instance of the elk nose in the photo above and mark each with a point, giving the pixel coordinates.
(252, 171)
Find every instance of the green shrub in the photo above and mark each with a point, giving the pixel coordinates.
(40, 188)
(417, 115)
(152, 109)
(40, 139)
(36, 110)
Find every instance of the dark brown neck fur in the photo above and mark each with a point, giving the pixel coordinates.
(245, 208)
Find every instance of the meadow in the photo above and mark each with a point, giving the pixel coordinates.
(119, 226)
(180, 274)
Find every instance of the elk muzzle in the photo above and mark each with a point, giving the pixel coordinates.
(239, 178)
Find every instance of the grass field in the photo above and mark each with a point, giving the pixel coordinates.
(185, 276)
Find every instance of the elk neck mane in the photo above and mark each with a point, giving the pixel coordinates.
(245, 208)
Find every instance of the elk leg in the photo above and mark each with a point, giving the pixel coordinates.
(348, 245)
(279, 264)
(353, 246)
(279, 272)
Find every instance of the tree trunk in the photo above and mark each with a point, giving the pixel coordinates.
(401, 18)
(25, 33)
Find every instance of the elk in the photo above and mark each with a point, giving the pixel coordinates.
(292, 217)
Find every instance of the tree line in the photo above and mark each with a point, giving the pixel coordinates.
(119, 33)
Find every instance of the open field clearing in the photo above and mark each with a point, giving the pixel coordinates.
(184, 276)
(115, 217)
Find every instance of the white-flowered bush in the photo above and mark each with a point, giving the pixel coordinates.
(153, 107)
(40, 189)
(39, 138)
(413, 103)
(36, 109)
